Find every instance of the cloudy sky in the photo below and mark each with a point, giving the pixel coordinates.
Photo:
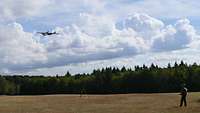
(95, 34)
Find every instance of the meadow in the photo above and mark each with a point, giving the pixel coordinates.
(118, 103)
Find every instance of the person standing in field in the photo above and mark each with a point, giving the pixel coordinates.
(183, 96)
(83, 91)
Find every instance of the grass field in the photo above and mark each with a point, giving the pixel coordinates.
(121, 103)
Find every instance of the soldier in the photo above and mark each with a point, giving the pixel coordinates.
(183, 96)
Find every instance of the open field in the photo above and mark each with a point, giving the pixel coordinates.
(121, 103)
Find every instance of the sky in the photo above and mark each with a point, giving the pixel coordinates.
(95, 34)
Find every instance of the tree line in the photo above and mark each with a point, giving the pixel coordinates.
(110, 80)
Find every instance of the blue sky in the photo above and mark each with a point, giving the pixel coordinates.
(95, 34)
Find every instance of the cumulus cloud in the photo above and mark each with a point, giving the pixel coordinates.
(175, 37)
(96, 26)
(142, 23)
(23, 50)
(94, 31)
(86, 42)
(18, 48)
(97, 38)
(91, 38)
(157, 35)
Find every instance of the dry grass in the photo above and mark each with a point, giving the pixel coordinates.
(123, 103)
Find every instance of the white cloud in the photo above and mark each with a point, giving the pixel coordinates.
(156, 35)
(139, 33)
(86, 42)
(174, 37)
(96, 26)
(91, 38)
(18, 48)
(145, 26)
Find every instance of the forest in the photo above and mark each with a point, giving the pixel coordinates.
(109, 80)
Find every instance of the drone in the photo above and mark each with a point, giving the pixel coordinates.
(47, 33)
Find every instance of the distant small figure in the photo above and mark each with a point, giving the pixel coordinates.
(82, 92)
(183, 96)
